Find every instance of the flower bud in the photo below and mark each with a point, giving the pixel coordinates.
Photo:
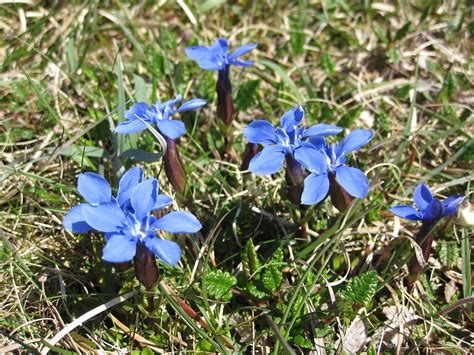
(225, 105)
(294, 177)
(146, 269)
(251, 149)
(466, 214)
(339, 197)
(174, 167)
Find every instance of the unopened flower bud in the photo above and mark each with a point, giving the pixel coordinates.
(174, 167)
(251, 149)
(294, 177)
(339, 197)
(146, 269)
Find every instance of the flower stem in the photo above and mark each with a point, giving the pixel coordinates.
(174, 167)
(225, 104)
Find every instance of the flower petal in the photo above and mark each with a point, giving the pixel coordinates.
(353, 181)
(132, 126)
(422, 196)
(433, 211)
(407, 212)
(316, 188)
(199, 53)
(128, 181)
(211, 64)
(322, 129)
(119, 248)
(166, 250)
(94, 188)
(312, 159)
(74, 220)
(268, 161)
(451, 204)
(220, 47)
(106, 217)
(177, 222)
(192, 105)
(241, 63)
(161, 202)
(242, 50)
(356, 139)
(261, 132)
(292, 118)
(172, 129)
(139, 109)
(143, 197)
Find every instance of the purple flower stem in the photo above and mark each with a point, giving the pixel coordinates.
(294, 176)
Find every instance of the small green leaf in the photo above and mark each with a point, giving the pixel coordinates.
(219, 284)
(247, 95)
(448, 252)
(380, 33)
(254, 291)
(272, 278)
(360, 289)
(141, 155)
(250, 260)
(303, 342)
(402, 32)
(328, 64)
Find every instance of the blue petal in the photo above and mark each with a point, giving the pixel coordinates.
(119, 248)
(129, 127)
(199, 53)
(433, 211)
(422, 196)
(241, 63)
(177, 222)
(143, 197)
(260, 132)
(356, 139)
(292, 118)
(322, 129)
(242, 50)
(106, 217)
(192, 105)
(315, 189)
(268, 161)
(172, 129)
(161, 202)
(128, 181)
(220, 47)
(74, 220)
(353, 181)
(211, 64)
(312, 159)
(317, 141)
(139, 109)
(166, 250)
(407, 212)
(451, 204)
(94, 188)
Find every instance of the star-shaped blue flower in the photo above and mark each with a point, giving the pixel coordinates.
(282, 141)
(322, 160)
(217, 57)
(126, 219)
(429, 208)
(159, 114)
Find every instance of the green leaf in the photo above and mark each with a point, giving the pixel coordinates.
(254, 291)
(450, 86)
(219, 284)
(92, 152)
(448, 252)
(380, 33)
(402, 32)
(328, 64)
(141, 89)
(247, 95)
(303, 342)
(284, 77)
(272, 278)
(141, 155)
(360, 289)
(250, 260)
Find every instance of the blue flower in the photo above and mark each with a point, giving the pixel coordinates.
(126, 219)
(282, 141)
(217, 57)
(158, 114)
(323, 160)
(429, 208)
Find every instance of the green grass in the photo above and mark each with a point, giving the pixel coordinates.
(70, 69)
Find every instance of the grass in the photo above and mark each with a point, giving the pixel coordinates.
(70, 69)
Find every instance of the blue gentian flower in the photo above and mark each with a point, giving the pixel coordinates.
(160, 115)
(217, 57)
(282, 141)
(429, 208)
(126, 219)
(324, 161)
